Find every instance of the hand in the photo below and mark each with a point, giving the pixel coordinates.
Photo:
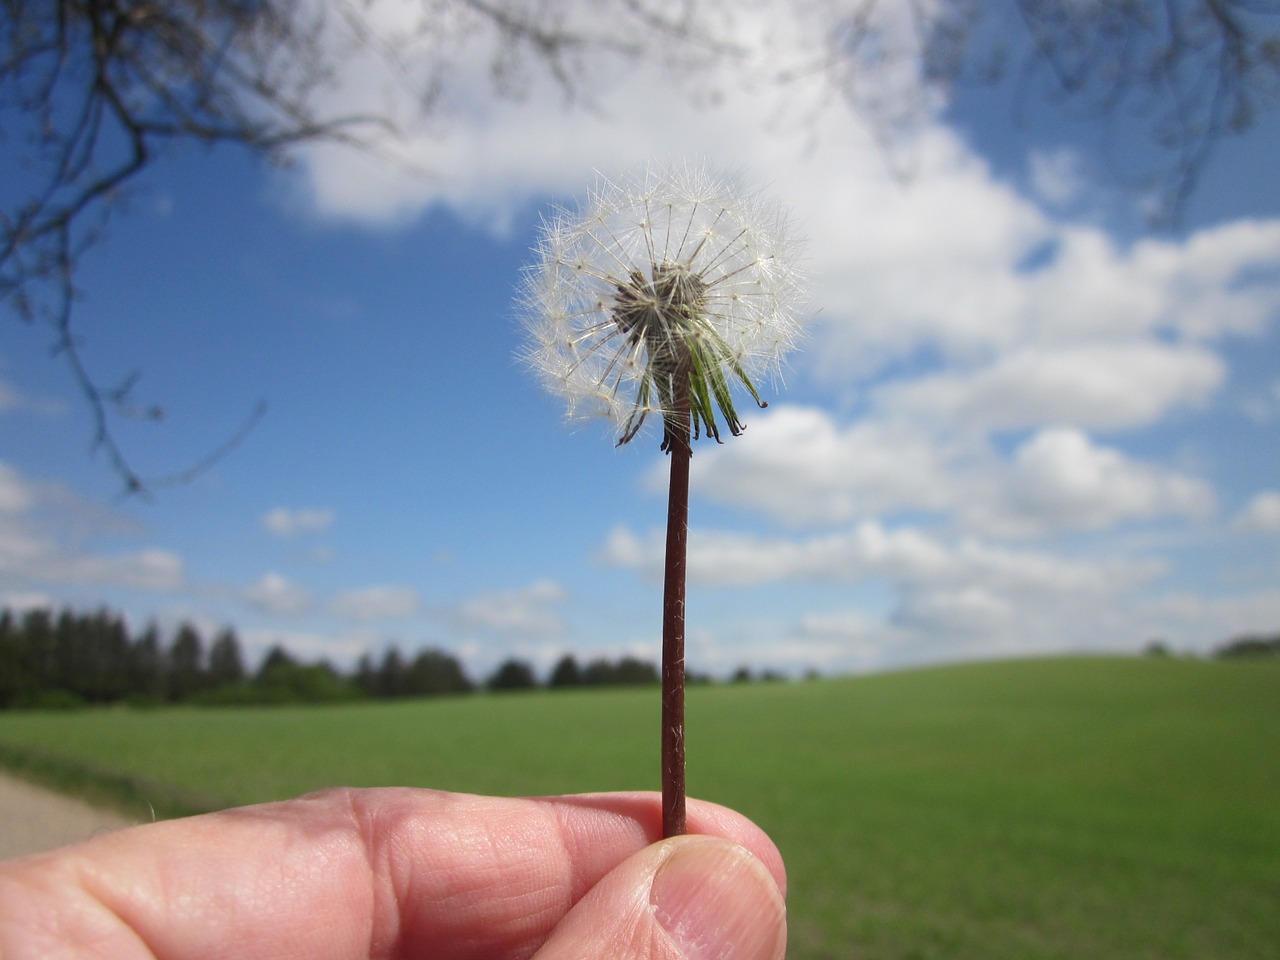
(399, 872)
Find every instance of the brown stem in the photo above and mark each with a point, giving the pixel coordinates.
(673, 593)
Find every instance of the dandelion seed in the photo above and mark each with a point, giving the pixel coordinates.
(673, 276)
(660, 297)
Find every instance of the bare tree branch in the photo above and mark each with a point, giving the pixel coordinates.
(1190, 71)
(90, 91)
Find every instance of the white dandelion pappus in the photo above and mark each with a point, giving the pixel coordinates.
(674, 274)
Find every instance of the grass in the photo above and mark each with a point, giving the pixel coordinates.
(1071, 808)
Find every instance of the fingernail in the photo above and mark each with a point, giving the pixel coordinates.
(718, 902)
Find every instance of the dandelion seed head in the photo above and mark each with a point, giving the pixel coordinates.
(647, 270)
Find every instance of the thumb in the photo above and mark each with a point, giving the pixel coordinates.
(686, 898)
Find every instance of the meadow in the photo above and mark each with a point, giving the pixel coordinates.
(1063, 808)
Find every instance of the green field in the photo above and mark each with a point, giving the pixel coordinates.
(1072, 808)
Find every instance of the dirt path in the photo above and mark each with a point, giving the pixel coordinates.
(33, 819)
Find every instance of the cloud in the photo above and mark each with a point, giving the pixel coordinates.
(1098, 385)
(384, 602)
(29, 557)
(870, 551)
(1261, 514)
(277, 595)
(16, 495)
(343, 648)
(23, 602)
(14, 400)
(797, 464)
(1264, 406)
(1061, 480)
(1193, 620)
(35, 547)
(937, 597)
(525, 613)
(153, 570)
(1057, 176)
(284, 522)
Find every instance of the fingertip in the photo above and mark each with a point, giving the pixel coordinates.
(716, 901)
(685, 898)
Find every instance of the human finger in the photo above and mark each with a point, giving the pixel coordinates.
(340, 874)
(686, 898)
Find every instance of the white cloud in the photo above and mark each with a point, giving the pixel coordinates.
(278, 595)
(14, 400)
(284, 522)
(27, 556)
(869, 551)
(1264, 405)
(382, 602)
(1061, 480)
(34, 549)
(1099, 385)
(944, 598)
(22, 602)
(16, 495)
(528, 612)
(1197, 621)
(343, 648)
(1057, 176)
(844, 640)
(148, 570)
(798, 465)
(1261, 514)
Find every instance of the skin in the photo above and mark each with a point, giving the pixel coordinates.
(399, 872)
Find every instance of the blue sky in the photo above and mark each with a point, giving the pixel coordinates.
(1020, 423)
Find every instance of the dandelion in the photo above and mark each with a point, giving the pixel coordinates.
(677, 276)
(655, 302)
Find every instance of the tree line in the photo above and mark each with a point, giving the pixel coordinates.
(68, 659)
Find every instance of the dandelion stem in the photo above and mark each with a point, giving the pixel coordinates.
(673, 596)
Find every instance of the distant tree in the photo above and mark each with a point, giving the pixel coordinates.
(365, 676)
(147, 668)
(1249, 647)
(108, 653)
(627, 671)
(565, 673)
(72, 655)
(598, 672)
(282, 679)
(742, 675)
(186, 663)
(16, 680)
(633, 672)
(391, 673)
(42, 661)
(226, 664)
(512, 675)
(275, 657)
(1157, 649)
(435, 672)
